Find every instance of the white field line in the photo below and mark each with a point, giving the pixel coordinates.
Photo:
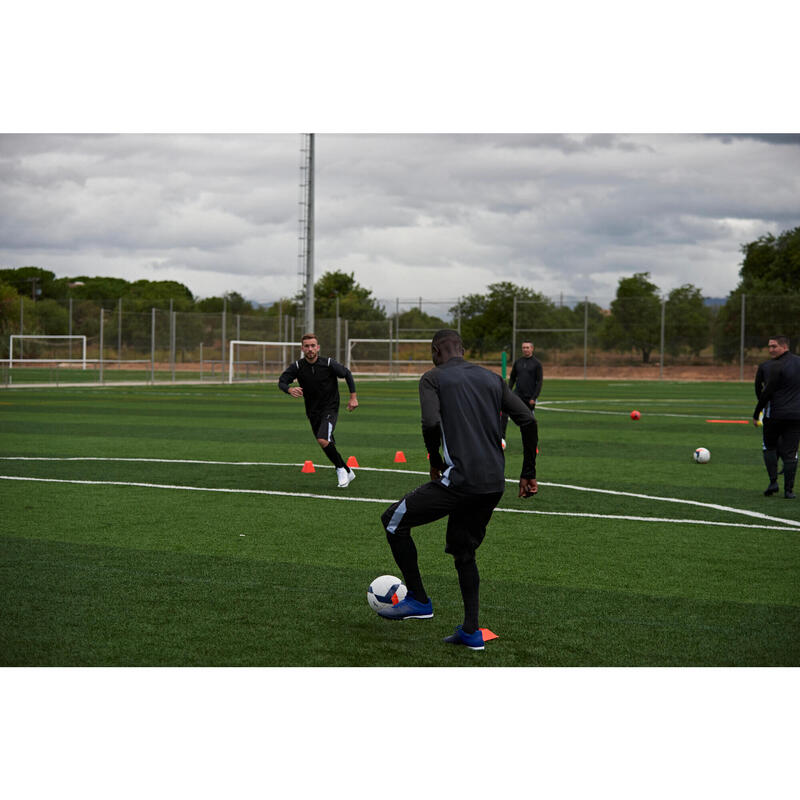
(382, 501)
(621, 413)
(715, 506)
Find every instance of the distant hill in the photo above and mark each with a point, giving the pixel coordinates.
(715, 301)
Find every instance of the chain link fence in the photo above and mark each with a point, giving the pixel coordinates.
(638, 338)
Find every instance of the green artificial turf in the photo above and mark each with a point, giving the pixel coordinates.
(102, 573)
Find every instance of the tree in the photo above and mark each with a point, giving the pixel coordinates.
(487, 320)
(417, 323)
(355, 302)
(687, 321)
(9, 308)
(770, 280)
(635, 320)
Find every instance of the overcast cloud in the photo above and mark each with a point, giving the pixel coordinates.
(434, 215)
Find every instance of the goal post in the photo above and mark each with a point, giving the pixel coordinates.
(391, 352)
(278, 353)
(44, 338)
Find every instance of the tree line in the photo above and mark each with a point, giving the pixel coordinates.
(769, 281)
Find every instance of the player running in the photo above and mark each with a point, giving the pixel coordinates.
(319, 387)
(461, 405)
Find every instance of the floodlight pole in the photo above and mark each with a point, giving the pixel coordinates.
(309, 310)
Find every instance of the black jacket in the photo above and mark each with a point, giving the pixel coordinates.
(527, 375)
(780, 397)
(461, 406)
(319, 382)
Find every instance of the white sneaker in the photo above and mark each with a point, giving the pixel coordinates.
(345, 477)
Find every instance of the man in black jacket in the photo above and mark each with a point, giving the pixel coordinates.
(780, 400)
(319, 388)
(461, 405)
(526, 380)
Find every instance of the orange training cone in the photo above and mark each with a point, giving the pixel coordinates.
(308, 467)
(399, 457)
(352, 461)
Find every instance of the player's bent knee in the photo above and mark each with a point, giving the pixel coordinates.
(323, 443)
(461, 560)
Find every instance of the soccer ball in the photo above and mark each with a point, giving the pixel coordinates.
(635, 414)
(385, 592)
(701, 456)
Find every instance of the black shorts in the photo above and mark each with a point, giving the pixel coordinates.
(323, 424)
(468, 515)
(782, 435)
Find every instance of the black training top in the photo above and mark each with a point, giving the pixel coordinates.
(461, 406)
(780, 397)
(527, 375)
(319, 382)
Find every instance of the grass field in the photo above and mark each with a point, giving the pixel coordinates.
(155, 526)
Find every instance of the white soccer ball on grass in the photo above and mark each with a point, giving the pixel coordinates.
(385, 591)
(701, 456)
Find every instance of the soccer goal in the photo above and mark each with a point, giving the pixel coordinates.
(250, 360)
(46, 349)
(388, 356)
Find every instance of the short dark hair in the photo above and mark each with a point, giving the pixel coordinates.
(447, 334)
(782, 340)
(310, 336)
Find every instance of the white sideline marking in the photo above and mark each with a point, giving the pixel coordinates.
(381, 500)
(715, 506)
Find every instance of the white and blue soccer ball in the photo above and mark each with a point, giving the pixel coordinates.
(701, 456)
(385, 591)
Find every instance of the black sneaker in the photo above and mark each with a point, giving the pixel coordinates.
(773, 488)
(789, 495)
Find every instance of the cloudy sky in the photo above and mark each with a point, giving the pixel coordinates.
(434, 215)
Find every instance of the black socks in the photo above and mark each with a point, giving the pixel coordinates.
(405, 555)
(334, 457)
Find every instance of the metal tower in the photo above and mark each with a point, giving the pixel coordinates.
(305, 256)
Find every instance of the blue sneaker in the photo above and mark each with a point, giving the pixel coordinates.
(472, 640)
(408, 608)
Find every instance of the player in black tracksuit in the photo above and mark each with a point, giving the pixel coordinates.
(526, 380)
(779, 398)
(461, 405)
(319, 387)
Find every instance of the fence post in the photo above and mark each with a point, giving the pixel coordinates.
(391, 350)
(585, 334)
(102, 317)
(661, 357)
(223, 371)
(119, 333)
(741, 343)
(514, 334)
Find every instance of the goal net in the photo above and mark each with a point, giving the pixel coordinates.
(388, 356)
(29, 348)
(251, 360)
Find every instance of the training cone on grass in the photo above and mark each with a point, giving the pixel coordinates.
(308, 467)
(352, 461)
(399, 457)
